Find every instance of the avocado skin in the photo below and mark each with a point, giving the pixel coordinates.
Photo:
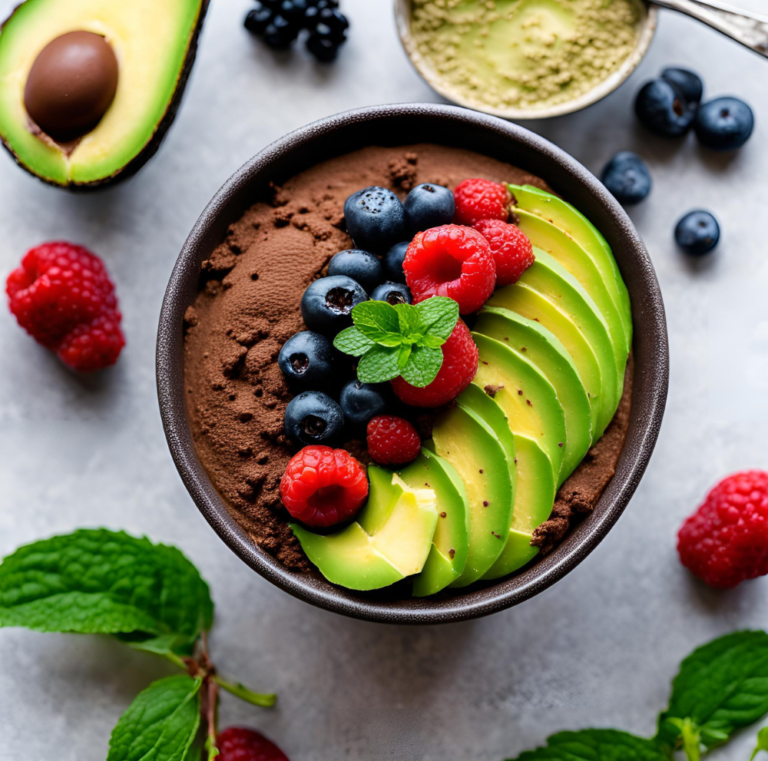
(152, 147)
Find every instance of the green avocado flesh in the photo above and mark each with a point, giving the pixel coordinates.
(552, 281)
(543, 349)
(528, 399)
(390, 540)
(470, 445)
(152, 42)
(575, 259)
(576, 226)
(450, 543)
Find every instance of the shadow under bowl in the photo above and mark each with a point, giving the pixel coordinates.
(399, 125)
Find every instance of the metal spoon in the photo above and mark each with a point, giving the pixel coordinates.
(746, 27)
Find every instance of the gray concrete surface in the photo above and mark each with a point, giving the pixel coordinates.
(598, 649)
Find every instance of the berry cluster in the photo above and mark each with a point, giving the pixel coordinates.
(279, 23)
(434, 243)
(63, 297)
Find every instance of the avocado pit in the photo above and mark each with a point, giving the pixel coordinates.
(71, 85)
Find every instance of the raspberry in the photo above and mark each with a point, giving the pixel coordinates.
(241, 744)
(63, 297)
(481, 199)
(451, 261)
(323, 486)
(392, 440)
(459, 367)
(725, 541)
(512, 250)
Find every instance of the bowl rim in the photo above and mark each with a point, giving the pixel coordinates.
(402, 13)
(505, 593)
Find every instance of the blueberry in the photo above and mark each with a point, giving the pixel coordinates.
(663, 109)
(724, 124)
(280, 33)
(361, 266)
(362, 401)
(428, 206)
(393, 262)
(393, 293)
(327, 303)
(375, 219)
(313, 418)
(307, 361)
(322, 47)
(687, 82)
(335, 20)
(627, 177)
(697, 233)
(258, 19)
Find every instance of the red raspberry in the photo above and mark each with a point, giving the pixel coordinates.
(63, 297)
(511, 249)
(392, 440)
(241, 744)
(451, 261)
(481, 199)
(460, 360)
(323, 486)
(725, 541)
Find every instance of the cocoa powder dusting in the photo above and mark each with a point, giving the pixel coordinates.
(248, 306)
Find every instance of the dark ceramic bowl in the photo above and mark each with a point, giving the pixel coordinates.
(398, 125)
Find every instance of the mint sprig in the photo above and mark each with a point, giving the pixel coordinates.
(148, 596)
(720, 688)
(399, 340)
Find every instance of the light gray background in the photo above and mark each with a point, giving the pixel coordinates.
(598, 649)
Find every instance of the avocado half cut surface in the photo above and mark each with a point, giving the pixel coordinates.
(155, 45)
(450, 543)
(470, 445)
(541, 347)
(390, 540)
(527, 397)
(574, 224)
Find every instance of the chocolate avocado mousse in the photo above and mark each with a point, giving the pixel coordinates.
(249, 305)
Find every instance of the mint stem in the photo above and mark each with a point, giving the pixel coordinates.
(691, 741)
(242, 692)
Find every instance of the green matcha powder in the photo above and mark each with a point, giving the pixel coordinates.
(526, 54)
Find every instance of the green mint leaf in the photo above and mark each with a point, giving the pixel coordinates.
(439, 316)
(430, 341)
(352, 341)
(376, 317)
(721, 687)
(160, 724)
(379, 365)
(423, 366)
(409, 319)
(595, 745)
(762, 743)
(195, 753)
(165, 644)
(104, 582)
(403, 356)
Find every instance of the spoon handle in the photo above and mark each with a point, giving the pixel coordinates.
(748, 28)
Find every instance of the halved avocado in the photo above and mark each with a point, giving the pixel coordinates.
(469, 444)
(579, 263)
(450, 543)
(574, 224)
(541, 347)
(155, 45)
(528, 399)
(390, 540)
(552, 280)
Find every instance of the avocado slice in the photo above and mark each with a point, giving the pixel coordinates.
(541, 347)
(450, 543)
(155, 45)
(577, 261)
(528, 399)
(469, 444)
(550, 279)
(402, 521)
(574, 224)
